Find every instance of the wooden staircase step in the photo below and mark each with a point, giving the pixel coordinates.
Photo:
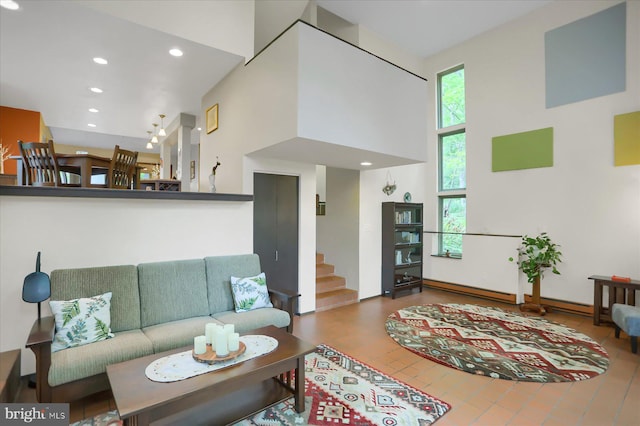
(335, 298)
(329, 283)
(319, 258)
(324, 269)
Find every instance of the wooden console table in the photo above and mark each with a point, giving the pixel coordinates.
(619, 292)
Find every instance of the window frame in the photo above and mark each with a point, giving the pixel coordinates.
(453, 130)
(439, 95)
(442, 132)
(441, 200)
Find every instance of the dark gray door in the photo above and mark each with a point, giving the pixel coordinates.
(275, 228)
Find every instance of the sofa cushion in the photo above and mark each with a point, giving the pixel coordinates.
(219, 272)
(88, 360)
(176, 334)
(121, 281)
(246, 321)
(81, 321)
(171, 291)
(250, 293)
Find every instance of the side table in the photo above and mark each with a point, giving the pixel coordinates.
(619, 292)
(9, 375)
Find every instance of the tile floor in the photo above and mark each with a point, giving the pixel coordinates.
(358, 330)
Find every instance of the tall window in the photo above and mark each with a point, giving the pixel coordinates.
(452, 164)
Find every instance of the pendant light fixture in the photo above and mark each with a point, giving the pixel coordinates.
(162, 131)
(149, 144)
(154, 139)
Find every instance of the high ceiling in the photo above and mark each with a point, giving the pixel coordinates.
(426, 27)
(46, 51)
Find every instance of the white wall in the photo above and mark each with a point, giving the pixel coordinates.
(321, 182)
(273, 17)
(337, 231)
(337, 26)
(351, 98)
(589, 207)
(85, 232)
(261, 104)
(408, 179)
(257, 107)
(308, 93)
(194, 184)
(370, 41)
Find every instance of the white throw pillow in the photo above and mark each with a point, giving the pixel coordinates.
(81, 321)
(250, 293)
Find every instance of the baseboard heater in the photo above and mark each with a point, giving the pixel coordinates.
(499, 296)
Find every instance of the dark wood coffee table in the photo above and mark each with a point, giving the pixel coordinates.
(220, 397)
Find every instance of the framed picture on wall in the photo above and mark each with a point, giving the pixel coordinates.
(193, 170)
(212, 118)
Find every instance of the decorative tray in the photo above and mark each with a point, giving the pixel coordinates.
(210, 357)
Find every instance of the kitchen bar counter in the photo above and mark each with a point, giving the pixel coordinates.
(29, 191)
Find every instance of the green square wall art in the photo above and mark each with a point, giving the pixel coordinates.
(626, 139)
(526, 150)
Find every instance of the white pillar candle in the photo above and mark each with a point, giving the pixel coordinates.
(210, 332)
(199, 345)
(229, 328)
(234, 342)
(221, 343)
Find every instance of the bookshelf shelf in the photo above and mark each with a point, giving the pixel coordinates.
(402, 247)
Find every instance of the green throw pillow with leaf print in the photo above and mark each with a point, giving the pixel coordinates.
(81, 321)
(250, 293)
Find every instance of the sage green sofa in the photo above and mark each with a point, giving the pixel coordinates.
(154, 307)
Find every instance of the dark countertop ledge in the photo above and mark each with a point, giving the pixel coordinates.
(30, 191)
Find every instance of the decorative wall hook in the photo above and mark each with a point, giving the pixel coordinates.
(390, 187)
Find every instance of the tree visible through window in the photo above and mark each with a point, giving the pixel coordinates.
(453, 161)
(452, 167)
(451, 98)
(453, 217)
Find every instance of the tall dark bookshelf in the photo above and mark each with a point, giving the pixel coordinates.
(402, 247)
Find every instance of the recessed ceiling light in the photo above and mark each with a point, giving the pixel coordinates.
(365, 163)
(101, 61)
(91, 125)
(93, 110)
(9, 4)
(175, 52)
(199, 129)
(96, 90)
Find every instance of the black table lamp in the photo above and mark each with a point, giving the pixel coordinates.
(36, 287)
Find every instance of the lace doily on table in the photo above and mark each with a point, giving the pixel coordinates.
(180, 366)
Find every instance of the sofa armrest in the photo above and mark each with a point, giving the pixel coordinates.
(286, 301)
(39, 341)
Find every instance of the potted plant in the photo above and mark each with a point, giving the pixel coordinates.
(536, 254)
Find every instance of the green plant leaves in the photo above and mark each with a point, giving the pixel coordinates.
(70, 310)
(536, 254)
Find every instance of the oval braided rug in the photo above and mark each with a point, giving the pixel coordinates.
(497, 343)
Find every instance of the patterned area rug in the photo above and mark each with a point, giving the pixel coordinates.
(341, 390)
(497, 343)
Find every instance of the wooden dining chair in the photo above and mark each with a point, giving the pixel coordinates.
(122, 168)
(41, 167)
